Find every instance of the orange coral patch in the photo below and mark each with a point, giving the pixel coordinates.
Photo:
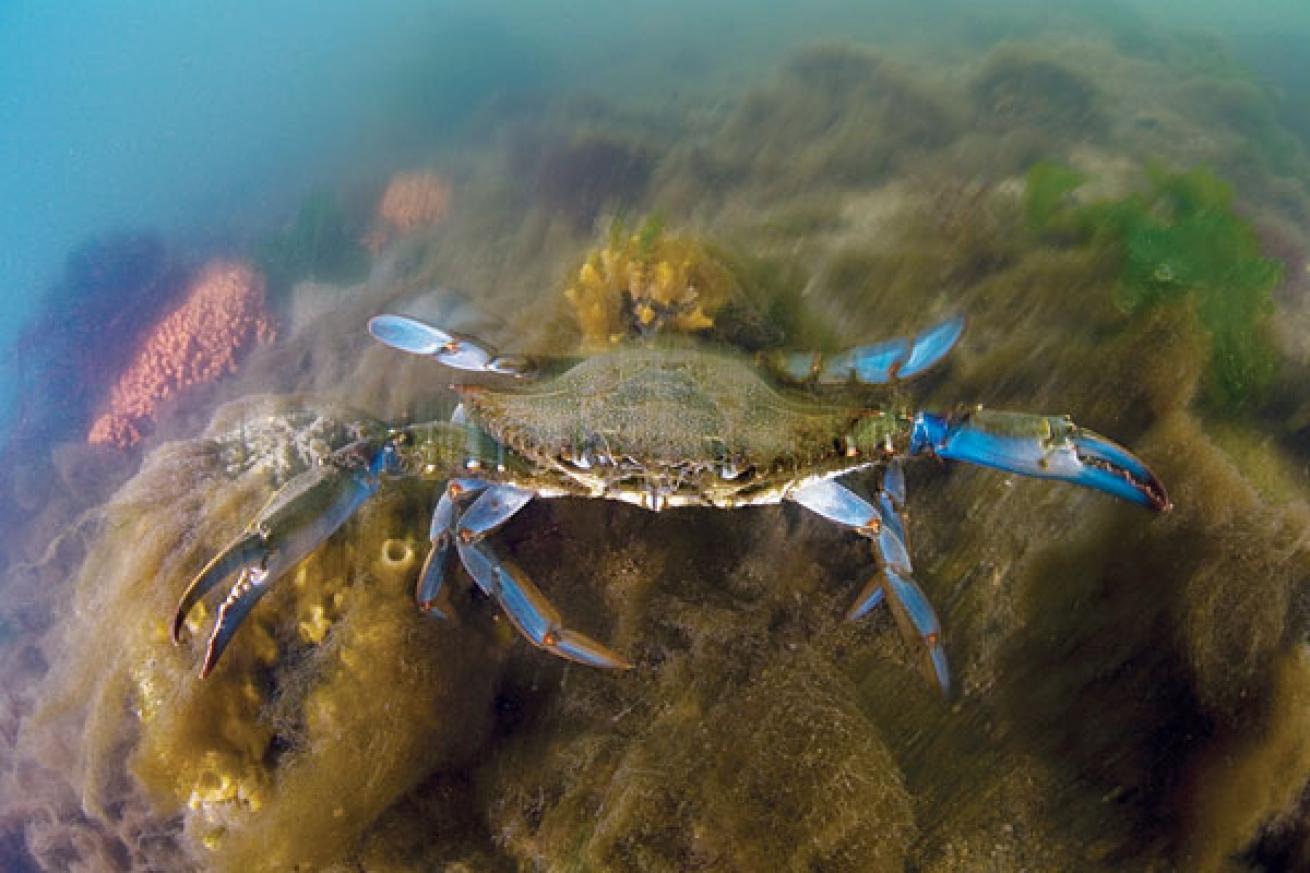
(222, 318)
(413, 200)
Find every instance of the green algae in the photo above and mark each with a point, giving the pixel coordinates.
(1180, 239)
(1046, 197)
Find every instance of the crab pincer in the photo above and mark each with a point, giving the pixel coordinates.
(1041, 446)
(299, 516)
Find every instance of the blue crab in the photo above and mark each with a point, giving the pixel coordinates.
(660, 424)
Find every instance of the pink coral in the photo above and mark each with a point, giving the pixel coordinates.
(222, 318)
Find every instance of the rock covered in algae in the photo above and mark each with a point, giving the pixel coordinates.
(1019, 88)
(335, 699)
(745, 749)
(835, 118)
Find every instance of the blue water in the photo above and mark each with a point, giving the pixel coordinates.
(207, 120)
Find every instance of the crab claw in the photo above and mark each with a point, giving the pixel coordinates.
(1042, 446)
(300, 516)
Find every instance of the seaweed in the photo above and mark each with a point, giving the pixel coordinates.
(1181, 239)
(271, 763)
(1046, 195)
(641, 283)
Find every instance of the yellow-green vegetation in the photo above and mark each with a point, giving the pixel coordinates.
(1179, 239)
(336, 699)
(783, 773)
(644, 282)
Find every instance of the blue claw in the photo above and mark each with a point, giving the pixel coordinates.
(449, 348)
(251, 585)
(1109, 467)
(246, 550)
(1045, 447)
(300, 516)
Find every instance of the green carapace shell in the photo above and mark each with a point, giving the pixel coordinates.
(666, 407)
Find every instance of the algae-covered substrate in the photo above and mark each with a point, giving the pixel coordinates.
(1134, 690)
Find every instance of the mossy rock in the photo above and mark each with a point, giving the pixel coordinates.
(836, 116)
(784, 774)
(1019, 89)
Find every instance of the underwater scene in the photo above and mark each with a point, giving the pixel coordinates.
(377, 378)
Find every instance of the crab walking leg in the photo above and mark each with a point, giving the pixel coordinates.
(915, 617)
(495, 506)
(300, 516)
(891, 537)
(442, 534)
(914, 614)
(875, 364)
(534, 616)
(1042, 446)
(531, 613)
(893, 483)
